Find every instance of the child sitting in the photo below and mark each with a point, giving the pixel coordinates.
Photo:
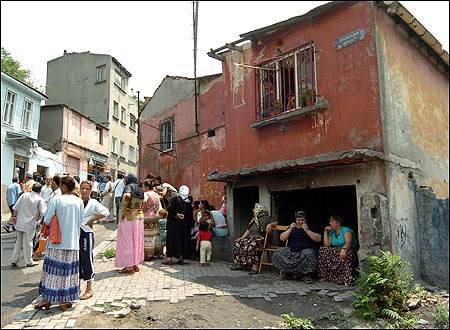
(207, 215)
(162, 230)
(204, 243)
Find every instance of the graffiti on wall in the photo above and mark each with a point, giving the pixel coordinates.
(401, 232)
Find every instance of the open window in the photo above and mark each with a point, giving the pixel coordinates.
(286, 83)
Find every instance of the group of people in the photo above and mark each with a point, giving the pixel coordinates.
(335, 261)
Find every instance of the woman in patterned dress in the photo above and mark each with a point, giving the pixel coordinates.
(300, 257)
(130, 230)
(151, 206)
(245, 249)
(60, 273)
(338, 257)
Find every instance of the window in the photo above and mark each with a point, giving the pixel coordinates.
(123, 116)
(99, 134)
(122, 149)
(116, 110)
(286, 83)
(72, 165)
(27, 115)
(101, 73)
(119, 80)
(10, 107)
(76, 123)
(131, 156)
(167, 134)
(114, 145)
(132, 122)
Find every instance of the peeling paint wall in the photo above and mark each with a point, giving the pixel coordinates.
(414, 108)
(195, 156)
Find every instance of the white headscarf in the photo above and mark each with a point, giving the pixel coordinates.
(184, 193)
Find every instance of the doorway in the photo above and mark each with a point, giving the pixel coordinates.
(244, 200)
(319, 203)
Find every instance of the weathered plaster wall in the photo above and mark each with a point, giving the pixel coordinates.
(414, 108)
(346, 78)
(197, 155)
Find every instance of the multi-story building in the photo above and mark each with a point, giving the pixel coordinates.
(96, 85)
(343, 109)
(20, 106)
(82, 143)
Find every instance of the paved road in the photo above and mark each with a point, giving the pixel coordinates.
(20, 285)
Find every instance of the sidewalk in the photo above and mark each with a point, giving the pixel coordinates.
(156, 282)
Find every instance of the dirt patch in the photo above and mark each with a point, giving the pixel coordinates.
(206, 311)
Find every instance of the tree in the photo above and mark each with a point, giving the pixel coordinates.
(14, 68)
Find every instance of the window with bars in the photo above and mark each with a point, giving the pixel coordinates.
(167, 134)
(27, 115)
(286, 83)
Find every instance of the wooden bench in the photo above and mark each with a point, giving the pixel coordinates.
(270, 248)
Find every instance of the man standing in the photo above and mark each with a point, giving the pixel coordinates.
(26, 212)
(94, 184)
(118, 190)
(29, 182)
(12, 195)
(47, 189)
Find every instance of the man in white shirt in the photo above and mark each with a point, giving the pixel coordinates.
(118, 190)
(26, 212)
(94, 184)
(47, 189)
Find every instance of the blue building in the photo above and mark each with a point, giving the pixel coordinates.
(21, 106)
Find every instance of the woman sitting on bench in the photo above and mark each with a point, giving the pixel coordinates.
(300, 257)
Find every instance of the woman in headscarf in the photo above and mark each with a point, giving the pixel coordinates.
(245, 249)
(130, 231)
(179, 223)
(151, 206)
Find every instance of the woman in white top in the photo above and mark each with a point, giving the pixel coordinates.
(108, 199)
(60, 273)
(93, 211)
(220, 229)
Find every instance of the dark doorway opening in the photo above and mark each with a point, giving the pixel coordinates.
(319, 203)
(244, 200)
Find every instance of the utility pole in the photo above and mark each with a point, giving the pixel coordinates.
(195, 14)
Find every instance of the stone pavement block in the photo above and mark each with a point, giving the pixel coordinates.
(267, 298)
(273, 295)
(71, 323)
(323, 293)
(338, 299)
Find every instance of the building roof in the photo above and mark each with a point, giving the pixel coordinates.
(32, 88)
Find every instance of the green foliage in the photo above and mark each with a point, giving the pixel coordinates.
(291, 322)
(408, 321)
(111, 253)
(14, 68)
(441, 316)
(384, 289)
(419, 291)
(334, 318)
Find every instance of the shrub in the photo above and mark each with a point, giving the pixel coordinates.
(441, 316)
(111, 253)
(291, 322)
(384, 289)
(408, 321)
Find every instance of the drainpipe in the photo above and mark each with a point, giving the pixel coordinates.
(195, 7)
(395, 8)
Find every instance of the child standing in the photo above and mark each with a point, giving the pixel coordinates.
(162, 230)
(204, 242)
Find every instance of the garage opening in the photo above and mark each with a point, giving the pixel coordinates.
(244, 200)
(319, 203)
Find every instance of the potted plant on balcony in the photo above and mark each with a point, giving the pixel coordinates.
(307, 96)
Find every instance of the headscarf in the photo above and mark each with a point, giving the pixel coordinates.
(184, 194)
(132, 186)
(260, 211)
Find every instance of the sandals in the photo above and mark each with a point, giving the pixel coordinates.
(42, 304)
(127, 271)
(136, 269)
(307, 279)
(87, 295)
(283, 277)
(64, 306)
(252, 272)
(235, 267)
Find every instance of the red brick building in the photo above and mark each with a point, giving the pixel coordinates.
(327, 112)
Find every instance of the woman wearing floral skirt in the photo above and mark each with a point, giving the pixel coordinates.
(60, 273)
(338, 257)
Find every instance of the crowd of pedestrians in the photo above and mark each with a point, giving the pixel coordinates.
(55, 219)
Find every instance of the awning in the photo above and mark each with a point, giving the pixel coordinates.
(21, 136)
(333, 159)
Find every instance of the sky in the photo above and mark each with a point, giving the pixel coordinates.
(153, 39)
